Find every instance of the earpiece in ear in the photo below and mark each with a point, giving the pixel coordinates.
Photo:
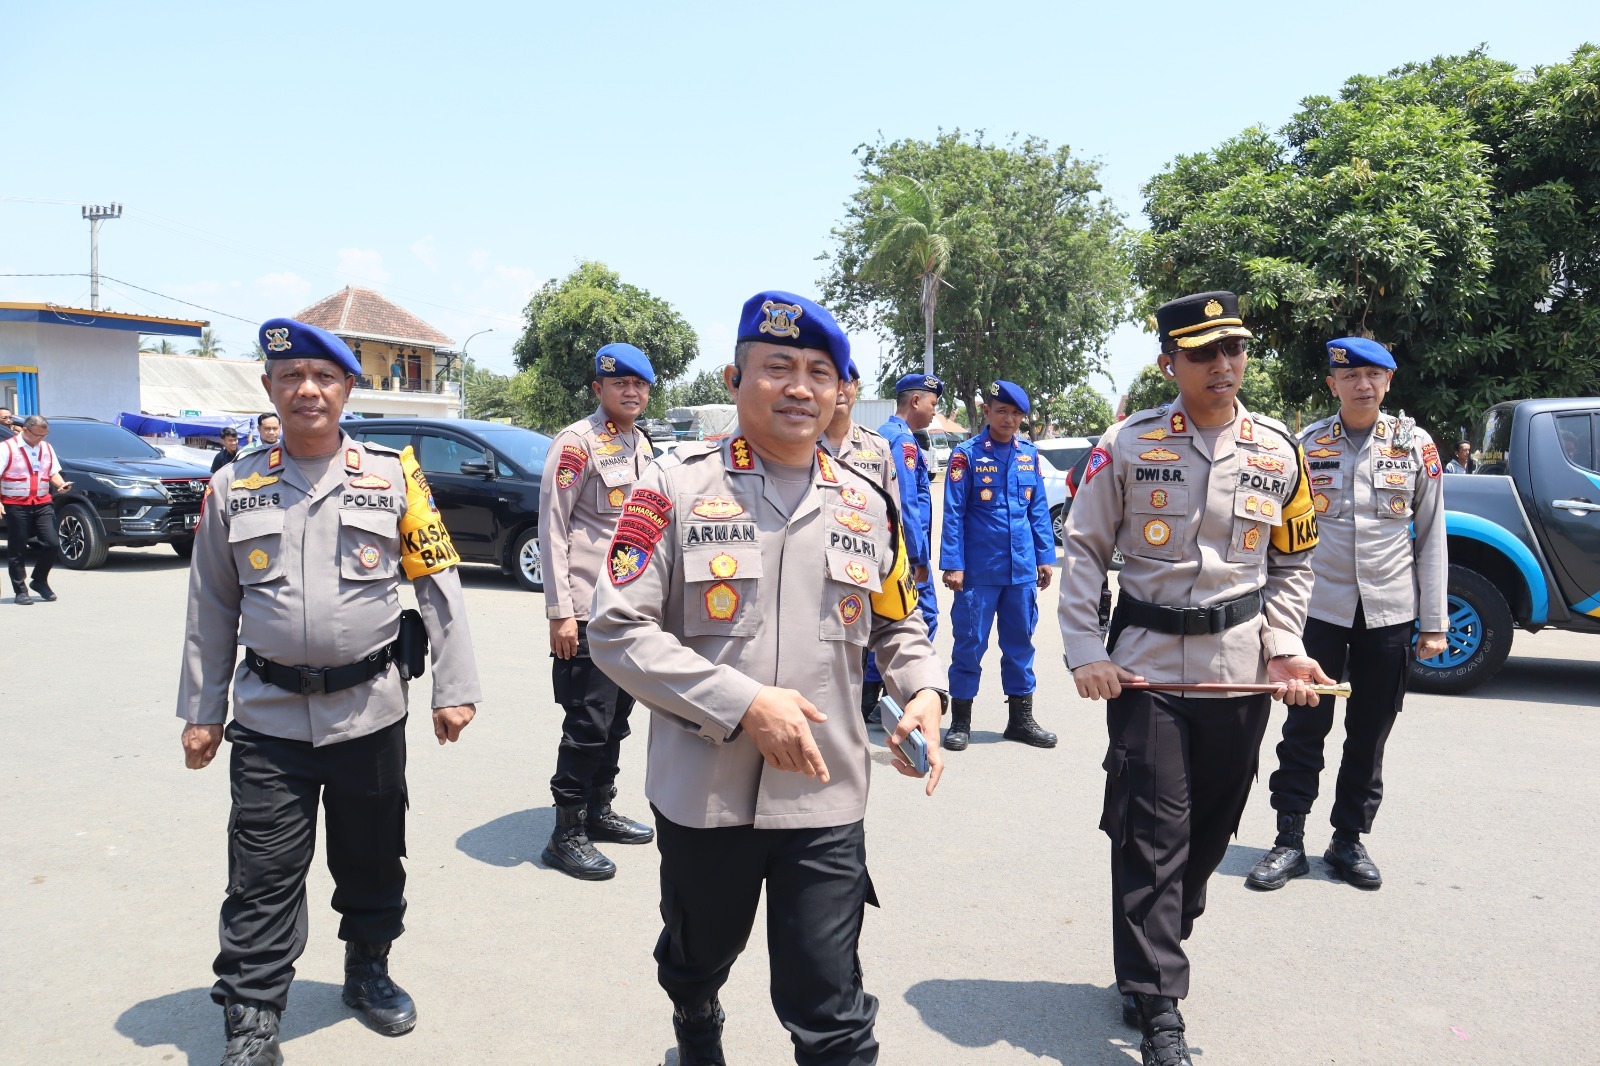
(736, 377)
(1167, 370)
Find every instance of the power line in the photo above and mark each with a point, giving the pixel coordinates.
(175, 299)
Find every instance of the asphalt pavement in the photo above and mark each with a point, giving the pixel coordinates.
(992, 944)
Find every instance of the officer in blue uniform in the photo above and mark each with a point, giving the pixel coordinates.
(996, 548)
(916, 400)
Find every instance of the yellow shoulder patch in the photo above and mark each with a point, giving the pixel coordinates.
(425, 546)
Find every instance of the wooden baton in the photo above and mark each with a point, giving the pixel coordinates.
(1223, 686)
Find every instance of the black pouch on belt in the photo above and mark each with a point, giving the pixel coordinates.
(411, 647)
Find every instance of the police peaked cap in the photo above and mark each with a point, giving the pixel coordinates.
(1358, 351)
(623, 361)
(1195, 321)
(285, 338)
(1007, 392)
(919, 383)
(783, 318)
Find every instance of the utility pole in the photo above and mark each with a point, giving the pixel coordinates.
(463, 397)
(97, 214)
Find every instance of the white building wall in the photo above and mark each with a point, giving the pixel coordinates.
(82, 370)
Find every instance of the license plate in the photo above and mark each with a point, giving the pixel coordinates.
(190, 521)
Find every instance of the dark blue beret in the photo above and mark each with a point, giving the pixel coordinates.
(1008, 392)
(1358, 351)
(796, 322)
(623, 361)
(284, 338)
(853, 372)
(919, 383)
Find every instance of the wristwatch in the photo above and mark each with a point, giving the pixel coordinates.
(944, 699)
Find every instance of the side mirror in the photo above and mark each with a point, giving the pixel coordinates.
(478, 468)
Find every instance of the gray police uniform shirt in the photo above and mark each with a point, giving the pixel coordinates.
(1196, 527)
(1368, 496)
(716, 590)
(589, 472)
(309, 576)
(867, 452)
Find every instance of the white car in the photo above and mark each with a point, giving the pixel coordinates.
(1059, 454)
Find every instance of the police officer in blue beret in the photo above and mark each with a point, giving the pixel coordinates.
(996, 550)
(589, 472)
(298, 558)
(916, 402)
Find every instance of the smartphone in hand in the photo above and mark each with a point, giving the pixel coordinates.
(914, 750)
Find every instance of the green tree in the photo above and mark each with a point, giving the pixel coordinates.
(209, 347)
(1037, 277)
(568, 320)
(908, 238)
(256, 353)
(1078, 412)
(1447, 209)
(1258, 391)
(487, 394)
(157, 347)
(704, 387)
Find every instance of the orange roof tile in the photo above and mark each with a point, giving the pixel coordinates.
(365, 315)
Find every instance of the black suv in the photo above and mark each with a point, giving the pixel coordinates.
(124, 492)
(485, 478)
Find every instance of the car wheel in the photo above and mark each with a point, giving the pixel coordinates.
(527, 562)
(184, 547)
(1058, 521)
(1478, 641)
(83, 545)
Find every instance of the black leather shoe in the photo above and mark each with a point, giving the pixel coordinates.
(1286, 859)
(871, 692)
(367, 988)
(1350, 859)
(1022, 727)
(959, 733)
(605, 824)
(699, 1033)
(1164, 1043)
(570, 852)
(252, 1035)
(1130, 1011)
(42, 589)
(23, 599)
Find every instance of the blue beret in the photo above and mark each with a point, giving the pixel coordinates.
(796, 322)
(919, 383)
(623, 361)
(1007, 392)
(284, 338)
(1358, 351)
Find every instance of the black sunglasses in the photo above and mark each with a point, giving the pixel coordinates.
(1232, 347)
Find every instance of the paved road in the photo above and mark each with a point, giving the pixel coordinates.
(992, 945)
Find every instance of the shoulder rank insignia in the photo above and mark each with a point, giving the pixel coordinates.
(1381, 429)
(256, 481)
(1247, 429)
(743, 459)
(1177, 423)
(275, 458)
(352, 458)
(1158, 455)
(611, 427)
(825, 467)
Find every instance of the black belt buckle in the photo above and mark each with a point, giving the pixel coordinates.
(313, 680)
(1196, 621)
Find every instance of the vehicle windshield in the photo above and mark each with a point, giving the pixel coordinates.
(1494, 438)
(522, 446)
(1062, 458)
(97, 440)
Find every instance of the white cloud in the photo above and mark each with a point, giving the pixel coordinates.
(479, 260)
(425, 251)
(286, 290)
(362, 266)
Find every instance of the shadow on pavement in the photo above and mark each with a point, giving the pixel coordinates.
(190, 1022)
(1075, 1025)
(1239, 859)
(142, 562)
(474, 576)
(1531, 679)
(511, 839)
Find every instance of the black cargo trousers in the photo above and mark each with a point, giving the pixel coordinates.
(596, 724)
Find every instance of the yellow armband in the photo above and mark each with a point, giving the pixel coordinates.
(425, 546)
(1299, 530)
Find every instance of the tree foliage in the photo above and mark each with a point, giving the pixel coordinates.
(705, 387)
(1258, 391)
(568, 320)
(157, 346)
(1037, 276)
(208, 347)
(1078, 412)
(907, 237)
(1449, 209)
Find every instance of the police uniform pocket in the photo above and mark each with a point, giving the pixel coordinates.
(720, 591)
(256, 538)
(1114, 811)
(610, 498)
(369, 546)
(1327, 493)
(846, 604)
(1158, 516)
(1392, 492)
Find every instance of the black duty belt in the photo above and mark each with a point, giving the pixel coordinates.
(1181, 621)
(310, 680)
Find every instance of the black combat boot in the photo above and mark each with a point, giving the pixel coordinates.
(23, 599)
(871, 692)
(699, 1033)
(1130, 1011)
(252, 1032)
(1022, 726)
(960, 726)
(367, 988)
(607, 825)
(570, 852)
(1350, 860)
(1162, 1025)
(41, 588)
(1286, 859)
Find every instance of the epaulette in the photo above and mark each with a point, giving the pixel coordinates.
(1277, 427)
(689, 450)
(1145, 415)
(380, 449)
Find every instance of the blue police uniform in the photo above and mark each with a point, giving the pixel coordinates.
(916, 497)
(997, 531)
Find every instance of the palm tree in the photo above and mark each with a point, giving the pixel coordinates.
(256, 353)
(909, 238)
(160, 347)
(209, 348)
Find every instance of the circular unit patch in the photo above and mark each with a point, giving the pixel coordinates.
(259, 560)
(724, 565)
(369, 556)
(1320, 502)
(616, 497)
(1397, 504)
(1157, 532)
(850, 608)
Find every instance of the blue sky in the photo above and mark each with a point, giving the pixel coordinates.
(455, 156)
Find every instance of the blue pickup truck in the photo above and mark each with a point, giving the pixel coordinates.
(1524, 537)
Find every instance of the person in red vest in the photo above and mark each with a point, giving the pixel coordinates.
(29, 473)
